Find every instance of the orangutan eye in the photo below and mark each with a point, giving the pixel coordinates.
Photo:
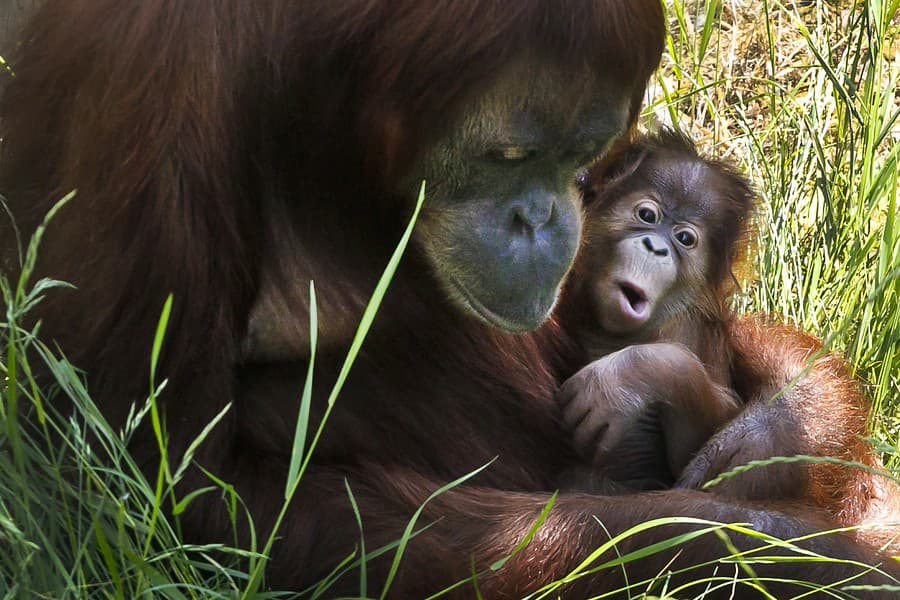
(686, 236)
(647, 212)
(512, 153)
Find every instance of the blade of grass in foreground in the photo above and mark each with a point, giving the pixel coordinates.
(362, 330)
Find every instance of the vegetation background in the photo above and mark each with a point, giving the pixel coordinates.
(803, 95)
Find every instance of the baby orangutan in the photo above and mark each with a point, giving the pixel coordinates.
(669, 367)
(646, 302)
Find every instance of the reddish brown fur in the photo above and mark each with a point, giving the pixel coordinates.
(800, 400)
(207, 137)
(683, 401)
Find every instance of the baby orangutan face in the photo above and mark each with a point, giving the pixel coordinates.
(660, 232)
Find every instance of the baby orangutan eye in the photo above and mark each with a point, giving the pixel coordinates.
(647, 212)
(686, 236)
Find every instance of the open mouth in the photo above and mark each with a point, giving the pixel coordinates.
(633, 303)
(635, 297)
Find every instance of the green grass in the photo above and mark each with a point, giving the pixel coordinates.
(77, 517)
(804, 100)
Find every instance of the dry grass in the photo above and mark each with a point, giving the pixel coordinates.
(803, 95)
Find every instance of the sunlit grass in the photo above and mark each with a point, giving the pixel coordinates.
(804, 97)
